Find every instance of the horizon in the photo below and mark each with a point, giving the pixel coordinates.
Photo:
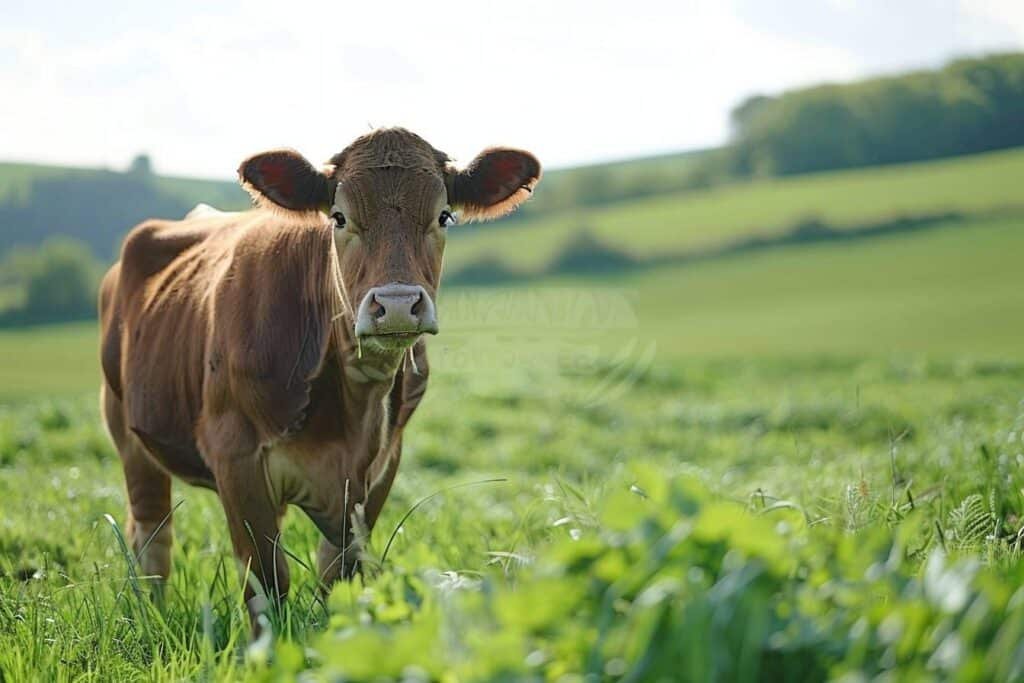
(186, 85)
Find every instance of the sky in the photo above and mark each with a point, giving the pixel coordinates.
(199, 86)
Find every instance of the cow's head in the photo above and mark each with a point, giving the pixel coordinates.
(392, 198)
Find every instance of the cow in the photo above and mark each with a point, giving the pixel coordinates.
(275, 355)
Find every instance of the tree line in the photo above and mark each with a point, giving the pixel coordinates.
(969, 106)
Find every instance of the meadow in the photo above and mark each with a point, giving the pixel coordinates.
(699, 220)
(799, 463)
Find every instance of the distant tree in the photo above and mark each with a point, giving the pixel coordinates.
(141, 165)
(16, 265)
(745, 112)
(59, 280)
(970, 106)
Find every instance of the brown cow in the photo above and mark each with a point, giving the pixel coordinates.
(275, 355)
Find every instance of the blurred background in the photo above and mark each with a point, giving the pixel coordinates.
(777, 252)
(843, 177)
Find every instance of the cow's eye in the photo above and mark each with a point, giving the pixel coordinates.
(339, 219)
(446, 219)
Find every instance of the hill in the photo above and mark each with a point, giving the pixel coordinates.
(969, 106)
(16, 180)
(929, 222)
(97, 206)
(692, 222)
(954, 289)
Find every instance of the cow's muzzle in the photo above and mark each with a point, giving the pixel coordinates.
(396, 310)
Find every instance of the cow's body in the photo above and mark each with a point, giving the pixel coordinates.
(274, 381)
(232, 357)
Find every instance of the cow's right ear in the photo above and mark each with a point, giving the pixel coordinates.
(495, 183)
(283, 178)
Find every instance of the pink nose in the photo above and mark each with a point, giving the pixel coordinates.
(396, 309)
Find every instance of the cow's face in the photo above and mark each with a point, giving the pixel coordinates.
(392, 198)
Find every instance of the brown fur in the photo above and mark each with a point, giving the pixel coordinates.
(229, 356)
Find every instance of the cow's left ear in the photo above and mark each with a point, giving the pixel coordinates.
(495, 182)
(283, 178)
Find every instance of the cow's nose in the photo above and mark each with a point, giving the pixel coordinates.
(396, 309)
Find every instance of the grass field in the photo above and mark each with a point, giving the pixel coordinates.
(799, 463)
(707, 519)
(819, 489)
(49, 361)
(726, 214)
(955, 289)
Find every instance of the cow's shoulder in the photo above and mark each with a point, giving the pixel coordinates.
(153, 245)
(272, 315)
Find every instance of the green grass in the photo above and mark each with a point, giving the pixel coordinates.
(732, 519)
(763, 208)
(49, 360)
(800, 463)
(956, 289)
(773, 460)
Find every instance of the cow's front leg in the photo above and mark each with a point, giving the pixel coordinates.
(341, 548)
(252, 516)
(255, 534)
(334, 563)
(382, 482)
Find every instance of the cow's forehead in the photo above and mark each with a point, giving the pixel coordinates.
(368, 191)
(389, 148)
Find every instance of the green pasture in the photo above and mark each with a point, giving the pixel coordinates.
(733, 519)
(950, 290)
(49, 361)
(725, 214)
(802, 462)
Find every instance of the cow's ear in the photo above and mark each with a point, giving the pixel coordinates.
(283, 178)
(495, 182)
